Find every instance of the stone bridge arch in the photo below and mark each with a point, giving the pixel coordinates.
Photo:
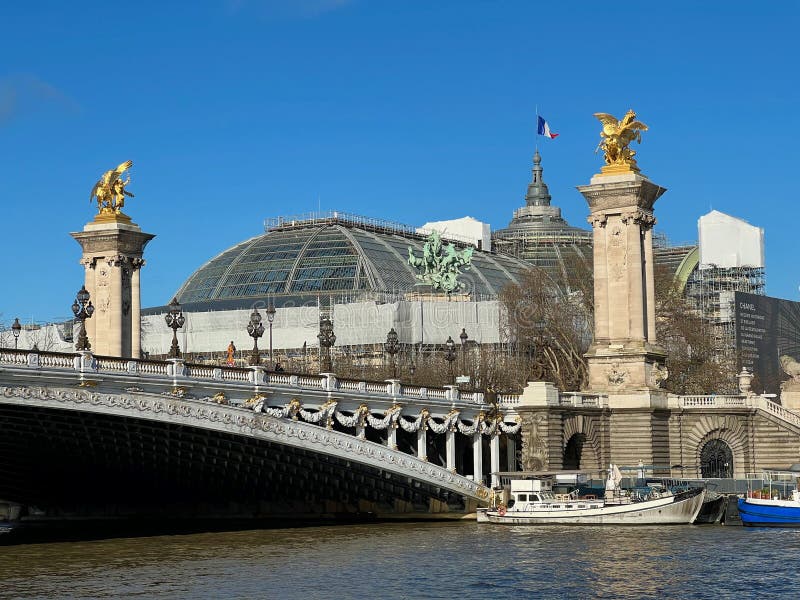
(191, 446)
(726, 428)
(587, 428)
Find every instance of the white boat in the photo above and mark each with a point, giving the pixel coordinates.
(531, 501)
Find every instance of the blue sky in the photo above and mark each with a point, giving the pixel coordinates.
(238, 110)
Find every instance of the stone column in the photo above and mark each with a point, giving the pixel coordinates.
(477, 456)
(136, 309)
(625, 360)
(116, 318)
(450, 446)
(422, 442)
(494, 447)
(112, 253)
(391, 437)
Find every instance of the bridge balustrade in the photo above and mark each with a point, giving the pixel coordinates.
(385, 405)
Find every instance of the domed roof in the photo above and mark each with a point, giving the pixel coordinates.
(539, 235)
(333, 254)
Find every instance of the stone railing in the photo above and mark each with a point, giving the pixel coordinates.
(507, 399)
(177, 372)
(712, 401)
(731, 401)
(777, 410)
(579, 399)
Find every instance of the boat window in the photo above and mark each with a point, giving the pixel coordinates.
(534, 497)
(522, 497)
(556, 505)
(568, 506)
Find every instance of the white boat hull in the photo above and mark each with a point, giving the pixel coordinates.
(680, 509)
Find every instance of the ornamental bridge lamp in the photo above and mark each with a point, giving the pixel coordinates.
(15, 329)
(392, 347)
(326, 339)
(450, 355)
(255, 329)
(82, 309)
(175, 321)
(270, 310)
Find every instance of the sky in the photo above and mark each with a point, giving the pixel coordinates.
(234, 111)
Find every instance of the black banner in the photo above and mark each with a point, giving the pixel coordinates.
(766, 329)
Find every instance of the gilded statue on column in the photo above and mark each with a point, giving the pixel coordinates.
(616, 137)
(110, 191)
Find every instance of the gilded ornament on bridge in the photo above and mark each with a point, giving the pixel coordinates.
(441, 264)
(110, 193)
(616, 138)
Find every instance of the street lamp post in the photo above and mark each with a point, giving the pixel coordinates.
(15, 329)
(270, 310)
(255, 330)
(450, 354)
(463, 337)
(392, 347)
(82, 309)
(326, 339)
(175, 321)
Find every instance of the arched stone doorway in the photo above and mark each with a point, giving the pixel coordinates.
(573, 451)
(716, 459)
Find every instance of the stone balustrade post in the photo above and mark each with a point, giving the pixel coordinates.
(257, 375)
(84, 361)
(33, 360)
(393, 387)
(452, 393)
(329, 382)
(177, 370)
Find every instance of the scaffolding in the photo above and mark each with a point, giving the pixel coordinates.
(711, 291)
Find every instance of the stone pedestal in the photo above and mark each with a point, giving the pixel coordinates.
(790, 395)
(624, 357)
(112, 256)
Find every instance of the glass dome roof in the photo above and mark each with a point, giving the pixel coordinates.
(332, 254)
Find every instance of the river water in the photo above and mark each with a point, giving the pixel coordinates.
(420, 560)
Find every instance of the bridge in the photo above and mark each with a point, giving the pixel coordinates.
(86, 435)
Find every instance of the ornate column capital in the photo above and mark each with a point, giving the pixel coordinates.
(643, 218)
(597, 220)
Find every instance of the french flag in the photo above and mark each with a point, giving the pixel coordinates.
(544, 129)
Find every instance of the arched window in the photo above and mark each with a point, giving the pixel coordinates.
(716, 460)
(573, 451)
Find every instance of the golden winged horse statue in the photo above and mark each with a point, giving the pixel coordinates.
(616, 137)
(110, 190)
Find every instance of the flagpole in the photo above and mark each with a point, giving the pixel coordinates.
(537, 128)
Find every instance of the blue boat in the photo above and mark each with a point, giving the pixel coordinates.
(760, 509)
